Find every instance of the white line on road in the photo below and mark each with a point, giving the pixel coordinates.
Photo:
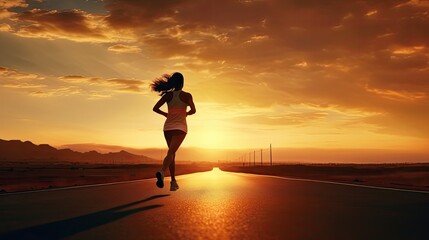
(74, 187)
(336, 183)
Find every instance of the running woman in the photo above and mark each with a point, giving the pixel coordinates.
(175, 127)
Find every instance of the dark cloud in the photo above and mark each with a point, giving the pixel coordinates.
(5, 7)
(134, 14)
(71, 21)
(75, 25)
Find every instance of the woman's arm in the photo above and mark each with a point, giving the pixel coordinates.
(159, 104)
(191, 105)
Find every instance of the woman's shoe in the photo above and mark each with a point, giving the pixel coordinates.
(173, 186)
(160, 182)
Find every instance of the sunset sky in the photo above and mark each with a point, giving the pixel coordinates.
(294, 73)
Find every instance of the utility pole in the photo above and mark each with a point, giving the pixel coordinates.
(271, 155)
(250, 156)
(261, 156)
(254, 158)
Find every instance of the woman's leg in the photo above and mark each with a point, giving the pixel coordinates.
(168, 135)
(172, 168)
(175, 142)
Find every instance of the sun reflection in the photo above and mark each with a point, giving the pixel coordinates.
(216, 175)
(218, 212)
(216, 179)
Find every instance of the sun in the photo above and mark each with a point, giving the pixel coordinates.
(210, 137)
(214, 138)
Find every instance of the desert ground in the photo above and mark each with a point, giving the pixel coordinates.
(402, 176)
(24, 176)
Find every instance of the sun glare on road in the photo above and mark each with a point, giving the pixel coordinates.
(217, 209)
(217, 179)
(216, 174)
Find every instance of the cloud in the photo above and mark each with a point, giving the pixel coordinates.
(9, 73)
(287, 119)
(4, 13)
(75, 25)
(55, 92)
(64, 91)
(4, 27)
(6, 5)
(13, 3)
(127, 85)
(307, 119)
(14, 79)
(370, 56)
(415, 3)
(120, 48)
(407, 120)
(23, 85)
(256, 33)
(91, 87)
(130, 14)
(399, 95)
(78, 79)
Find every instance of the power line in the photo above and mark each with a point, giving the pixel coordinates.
(246, 158)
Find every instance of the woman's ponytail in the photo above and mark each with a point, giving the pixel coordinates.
(167, 83)
(161, 84)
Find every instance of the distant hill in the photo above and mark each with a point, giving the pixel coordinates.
(16, 150)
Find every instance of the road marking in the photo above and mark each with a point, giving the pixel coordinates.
(75, 187)
(336, 183)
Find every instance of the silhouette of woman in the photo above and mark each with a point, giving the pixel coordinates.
(175, 127)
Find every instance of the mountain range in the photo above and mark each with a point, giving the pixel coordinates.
(16, 150)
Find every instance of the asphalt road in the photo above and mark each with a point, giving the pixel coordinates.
(216, 205)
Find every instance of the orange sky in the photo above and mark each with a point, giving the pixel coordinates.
(304, 74)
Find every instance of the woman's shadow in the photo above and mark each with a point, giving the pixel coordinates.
(72, 226)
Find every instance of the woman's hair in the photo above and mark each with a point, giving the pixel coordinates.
(167, 83)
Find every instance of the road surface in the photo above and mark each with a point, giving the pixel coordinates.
(216, 205)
